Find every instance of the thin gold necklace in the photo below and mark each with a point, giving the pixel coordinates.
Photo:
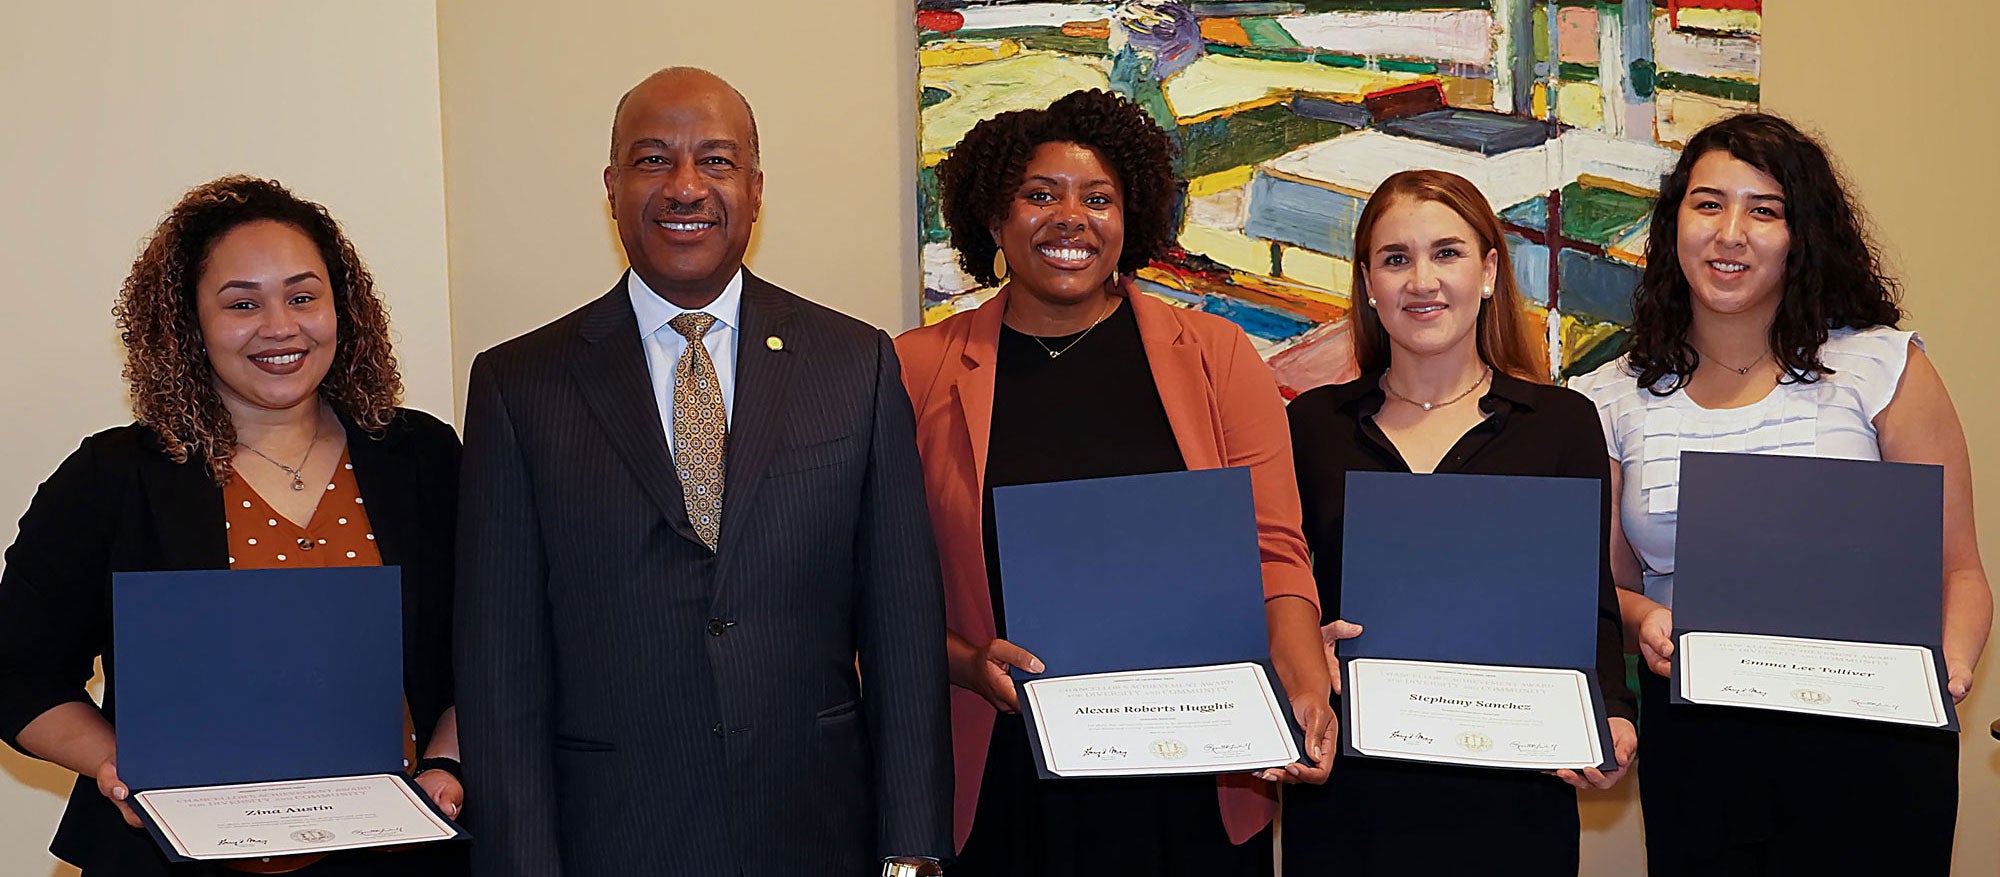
(1484, 373)
(1055, 352)
(298, 479)
(1741, 371)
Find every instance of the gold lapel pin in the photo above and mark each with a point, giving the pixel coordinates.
(775, 343)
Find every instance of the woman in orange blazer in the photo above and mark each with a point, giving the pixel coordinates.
(1068, 374)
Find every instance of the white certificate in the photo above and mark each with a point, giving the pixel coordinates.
(1215, 719)
(302, 816)
(1889, 683)
(1472, 714)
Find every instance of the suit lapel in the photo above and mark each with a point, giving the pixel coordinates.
(974, 387)
(1175, 361)
(763, 379)
(610, 371)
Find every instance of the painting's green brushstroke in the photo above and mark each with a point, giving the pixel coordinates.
(1249, 137)
(1577, 72)
(1268, 33)
(1604, 351)
(930, 97)
(1261, 53)
(1727, 89)
(1406, 66)
(1643, 75)
(1338, 60)
(1033, 37)
(1543, 50)
(1390, 5)
(1600, 216)
(930, 208)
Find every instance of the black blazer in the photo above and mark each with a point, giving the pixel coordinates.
(120, 505)
(631, 703)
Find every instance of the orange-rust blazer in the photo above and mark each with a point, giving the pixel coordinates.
(1225, 410)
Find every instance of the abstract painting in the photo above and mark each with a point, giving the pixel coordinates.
(1288, 114)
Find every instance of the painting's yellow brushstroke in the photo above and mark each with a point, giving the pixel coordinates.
(956, 52)
(1597, 182)
(1722, 20)
(1231, 248)
(1580, 104)
(1540, 100)
(1217, 83)
(1681, 114)
(1334, 275)
(1580, 337)
(1468, 93)
(1025, 81)
(1221, 181)
(1227, 31)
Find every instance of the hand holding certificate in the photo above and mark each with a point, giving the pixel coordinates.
(1483, 655)
(1154, 641)
(260, 712)
(1772, 618)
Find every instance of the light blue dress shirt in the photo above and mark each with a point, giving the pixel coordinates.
(664, 346)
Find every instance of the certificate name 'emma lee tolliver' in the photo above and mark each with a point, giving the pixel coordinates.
(1806, 668)
(1474, 704)
(1216, 707)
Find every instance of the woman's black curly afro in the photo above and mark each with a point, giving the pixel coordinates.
(986, 168)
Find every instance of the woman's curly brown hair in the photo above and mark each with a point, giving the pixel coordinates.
(985, 169)
(166, 363)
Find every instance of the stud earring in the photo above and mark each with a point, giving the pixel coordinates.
(1486, 293)
(999, 264)
(1371, 301)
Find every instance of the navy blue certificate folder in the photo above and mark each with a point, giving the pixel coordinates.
(246, 676)
(1848, 550)
(1137, 572)
(1474, 569)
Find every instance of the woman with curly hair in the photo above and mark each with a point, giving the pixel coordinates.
(1764, 322)
(1068, 373)
(268, 436)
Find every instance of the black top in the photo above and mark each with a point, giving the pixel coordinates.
(1530, 429)
(1092, 411)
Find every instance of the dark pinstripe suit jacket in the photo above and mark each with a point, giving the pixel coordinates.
(631, 703)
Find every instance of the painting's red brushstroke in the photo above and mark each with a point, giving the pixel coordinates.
(939, 20)
(1403, 101)
(1674, 7)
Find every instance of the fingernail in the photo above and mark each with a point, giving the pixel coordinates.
(1035, 666)
(118, 792)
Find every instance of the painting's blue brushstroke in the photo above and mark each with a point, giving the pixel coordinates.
(1351, 115)
(1191, 299)
(1532, 213)
(1318, 219)
(1245, 9)
(1472, 130)
(1269, 324)
(1531, 269)
(1596, 288)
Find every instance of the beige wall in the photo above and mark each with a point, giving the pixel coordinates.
(111, 111)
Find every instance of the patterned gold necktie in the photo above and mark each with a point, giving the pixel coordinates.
(700, 428)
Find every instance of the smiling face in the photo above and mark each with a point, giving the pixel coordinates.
(684, 184)
(1428, 274)
(1064, 229)
(1732, 236)
(267, 317)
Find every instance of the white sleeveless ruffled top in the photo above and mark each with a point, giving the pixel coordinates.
(1646, 434)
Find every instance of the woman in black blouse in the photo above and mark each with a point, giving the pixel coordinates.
(1449, 384)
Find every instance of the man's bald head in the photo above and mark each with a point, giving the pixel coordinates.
(680, 78)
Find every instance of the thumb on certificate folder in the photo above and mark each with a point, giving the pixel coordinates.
(115, 791)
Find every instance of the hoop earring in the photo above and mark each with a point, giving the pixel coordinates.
(999, 264)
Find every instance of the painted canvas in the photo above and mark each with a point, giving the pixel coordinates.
(1288, 114)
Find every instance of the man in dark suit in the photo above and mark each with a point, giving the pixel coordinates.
(688, 507)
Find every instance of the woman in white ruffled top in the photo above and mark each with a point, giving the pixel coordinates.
(1764, 324)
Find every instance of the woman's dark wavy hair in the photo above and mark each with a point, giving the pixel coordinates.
(166, 363)
(1833, 274)
(985, 170)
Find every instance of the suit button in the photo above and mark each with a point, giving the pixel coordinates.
(717, 730)
(716, 626)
